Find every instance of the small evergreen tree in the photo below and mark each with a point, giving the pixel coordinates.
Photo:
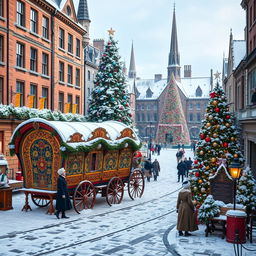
(208, 210)
(109, 99)
(218, 139)
(246, 190)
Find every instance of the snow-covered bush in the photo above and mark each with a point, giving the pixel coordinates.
(208, 209)
(246, 190)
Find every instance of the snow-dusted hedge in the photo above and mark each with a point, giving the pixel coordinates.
(24, 113)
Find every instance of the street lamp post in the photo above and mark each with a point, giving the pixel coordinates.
(150, 140)
(235, 169)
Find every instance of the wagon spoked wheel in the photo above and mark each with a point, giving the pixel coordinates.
(115, 191)
(136, 184)
(40, 201)
(84, 196)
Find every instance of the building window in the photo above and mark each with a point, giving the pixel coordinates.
(191, 117)
(61, 38)
(77, 47)
(33, 20)
(155, 107)
(198, 117)
(33, 92)
(1, 48)
(68, 10)
(70, 102)
(142, 117)
(1, 142)
(20, 16)
(61, 101)
(2, 8)
(138, 117)
(61, 71)
(33, 59)
(190, 105)
(77, 104)
(20, 91)
(45, 24)
(149, 118)
(155, 116)
(70, 74)
(148, 107)
(20, 55)
(1, 90)
(70, 43)
(198, 107)
(254, 9)
(45, 96)
(89, 75)
(78, 77)
(252, 85)
(45, 64)
(142, 107)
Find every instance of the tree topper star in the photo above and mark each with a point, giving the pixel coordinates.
(217, 75)
(111, 32)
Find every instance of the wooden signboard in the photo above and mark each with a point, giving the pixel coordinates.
(222, 187)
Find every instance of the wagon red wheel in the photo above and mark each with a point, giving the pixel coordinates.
(115, 191)
(84, 196)
(40, 201)
(136, 184)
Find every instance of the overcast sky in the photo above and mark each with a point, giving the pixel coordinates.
(203, 31)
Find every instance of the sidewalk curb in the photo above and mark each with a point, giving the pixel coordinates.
(170, 247)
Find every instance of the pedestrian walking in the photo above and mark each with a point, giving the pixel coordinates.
(189, 165)
(186, 211)
(181, 170)
(179, 155)
(159, 149)
(62, 200)
(155, 169)
(148, 169)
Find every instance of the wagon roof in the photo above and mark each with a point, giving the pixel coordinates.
(76, 134)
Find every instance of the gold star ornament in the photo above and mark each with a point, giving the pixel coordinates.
(111, 32)
(217, 75)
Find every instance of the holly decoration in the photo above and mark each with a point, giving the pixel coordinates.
(109, 99)
(217, 139)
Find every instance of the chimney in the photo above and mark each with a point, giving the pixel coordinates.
(187, 71)
(99, 43)
(158, 77)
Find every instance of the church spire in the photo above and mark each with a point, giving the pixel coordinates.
(83, 18)
(174, 56)
(132, 69)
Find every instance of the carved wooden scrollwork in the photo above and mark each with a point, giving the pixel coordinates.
(99, 133)
(127, 132)
(76, 137)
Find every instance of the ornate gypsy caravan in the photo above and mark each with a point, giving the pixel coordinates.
(97, 158)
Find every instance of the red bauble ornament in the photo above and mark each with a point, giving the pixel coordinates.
(213, 94)
(104, 55)
(227, 116)
(200, 166)
(225, 144)
(207, 139)
(196, 162)
(202, 136)
(197, 174)
(109, 43)
(217, 110)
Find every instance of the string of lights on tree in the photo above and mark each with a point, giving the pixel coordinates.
(109, 99)
(218, 139)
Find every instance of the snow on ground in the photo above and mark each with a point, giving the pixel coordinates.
(17, 220)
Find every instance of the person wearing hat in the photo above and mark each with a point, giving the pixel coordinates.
(185, 210)
(62, 201)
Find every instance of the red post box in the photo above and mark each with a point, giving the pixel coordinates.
(18, 176)
(236, 224)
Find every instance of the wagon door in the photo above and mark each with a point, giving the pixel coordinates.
(40, 159)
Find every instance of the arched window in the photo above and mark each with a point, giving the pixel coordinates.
(68, 10)
(199, 91)
(149, 93)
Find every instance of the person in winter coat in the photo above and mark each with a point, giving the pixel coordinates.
(181, 170)
(148, 169)
(186, 211)
(155, 169)
(62, 201)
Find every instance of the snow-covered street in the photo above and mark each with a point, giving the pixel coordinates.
(145, 226)
(102, 229)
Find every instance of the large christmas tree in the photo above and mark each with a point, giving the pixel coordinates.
(109, 99)
(218, 139)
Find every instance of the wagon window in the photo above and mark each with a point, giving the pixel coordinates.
(93, 163)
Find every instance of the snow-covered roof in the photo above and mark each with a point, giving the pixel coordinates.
(67, 129)
(239, 51)
(188, 86)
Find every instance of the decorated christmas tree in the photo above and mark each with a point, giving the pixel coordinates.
(208, 210)
(109, 99)
(218, 139)
(246, 190)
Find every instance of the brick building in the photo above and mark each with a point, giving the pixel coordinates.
(41, 58)
(240, 82)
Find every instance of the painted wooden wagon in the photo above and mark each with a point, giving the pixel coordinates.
(97, 157)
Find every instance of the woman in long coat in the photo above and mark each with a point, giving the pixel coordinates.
(62, 201)
(147, 169)
(186, 212)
